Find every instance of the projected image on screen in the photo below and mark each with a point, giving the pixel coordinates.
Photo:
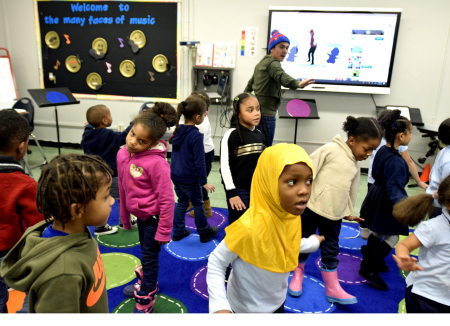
(338, 48)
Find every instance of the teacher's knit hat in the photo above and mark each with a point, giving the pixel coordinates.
(276, 38)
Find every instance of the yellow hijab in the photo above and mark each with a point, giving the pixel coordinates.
(266, 235)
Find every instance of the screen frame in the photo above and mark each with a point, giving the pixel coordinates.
(344, 87)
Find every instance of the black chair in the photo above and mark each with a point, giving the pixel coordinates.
(25, 104)
(146, 106)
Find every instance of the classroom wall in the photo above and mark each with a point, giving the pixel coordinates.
(421, 75)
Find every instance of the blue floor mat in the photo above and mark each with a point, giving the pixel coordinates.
(182, 275)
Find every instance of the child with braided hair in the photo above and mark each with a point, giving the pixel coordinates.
(391, 174)
(57, 260)
(240, 149)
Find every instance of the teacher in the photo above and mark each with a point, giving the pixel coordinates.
(267, 80)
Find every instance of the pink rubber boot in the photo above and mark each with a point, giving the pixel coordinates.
(334, 291)
(295, 288)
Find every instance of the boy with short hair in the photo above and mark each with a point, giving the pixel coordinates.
(18, 191)
(99, 140)
(57, 261)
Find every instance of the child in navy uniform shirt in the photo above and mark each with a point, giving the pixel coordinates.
(98, 140)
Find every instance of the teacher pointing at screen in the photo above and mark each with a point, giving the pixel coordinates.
(268, 78)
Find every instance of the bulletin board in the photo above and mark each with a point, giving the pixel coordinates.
(111, 50)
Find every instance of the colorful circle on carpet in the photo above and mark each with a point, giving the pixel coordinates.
(121, 239)
(217, 219)
(190, 248)
(347, 269)
(298, 108)
(313, 299)
(119, 268)
(402, 307)
(163, 305)
(403, 273)
(56, 97)
(350, 238)
(198, 282)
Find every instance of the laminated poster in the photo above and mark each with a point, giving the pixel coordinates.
(204, 55)
(249, 35)
(224, 55)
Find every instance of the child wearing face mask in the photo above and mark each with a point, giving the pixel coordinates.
(263, 245)
(336, 181)
(391, 174)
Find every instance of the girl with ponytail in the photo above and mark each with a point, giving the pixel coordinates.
(333, 197)
(428, 284)
(188, 169)
(391, 174)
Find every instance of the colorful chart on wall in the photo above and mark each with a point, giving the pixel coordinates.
(92, 33)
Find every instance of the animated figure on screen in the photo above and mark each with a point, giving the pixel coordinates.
(292, 54)
(333, 55)
(313, 47)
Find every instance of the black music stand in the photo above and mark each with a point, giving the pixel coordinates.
(53, 97)
(298, 109)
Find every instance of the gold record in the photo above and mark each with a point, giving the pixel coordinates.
(160, 63)
(52, 40)
(73, 64)
(93, 80)
(127, 68)
(100, 45)
(138, 38)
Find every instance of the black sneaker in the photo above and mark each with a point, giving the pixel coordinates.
(373, 278)
(106, 229)
(179, 237)
(133, 221)
(209, 235)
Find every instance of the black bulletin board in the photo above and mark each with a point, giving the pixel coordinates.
(159, 21)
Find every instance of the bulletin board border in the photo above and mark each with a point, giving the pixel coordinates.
(113, 97)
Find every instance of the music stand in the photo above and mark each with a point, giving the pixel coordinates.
(298, 109)
(53, 97)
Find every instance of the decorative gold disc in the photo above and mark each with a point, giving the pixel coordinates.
(127, 68)
(93, 80)
(52, 40)
(100, 45)
(160, 63)
(73, 64)
(138, 38)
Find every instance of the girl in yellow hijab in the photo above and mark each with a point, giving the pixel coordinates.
(264, 244)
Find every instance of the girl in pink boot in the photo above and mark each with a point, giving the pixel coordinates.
(336, 181)
(146, 191)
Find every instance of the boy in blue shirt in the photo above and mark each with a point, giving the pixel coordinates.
(99, 140)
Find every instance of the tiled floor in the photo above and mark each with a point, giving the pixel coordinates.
(218, 197)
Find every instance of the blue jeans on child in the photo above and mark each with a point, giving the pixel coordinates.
(209, 158)
(4, 294)
(270, 124)
(234, 214)
(330, 230)
(150, 249)
(193, 193)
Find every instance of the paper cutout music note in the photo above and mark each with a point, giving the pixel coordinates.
(151, 75)
(109, 67)
(121, 42)
(57, 65)
(67, 38)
